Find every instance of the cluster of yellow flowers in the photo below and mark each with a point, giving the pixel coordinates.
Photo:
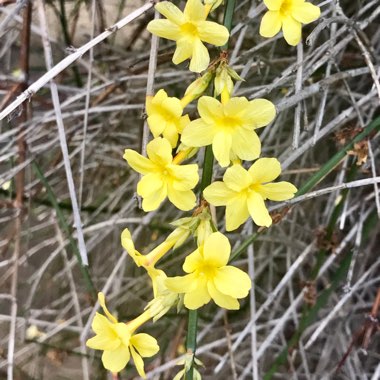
(229, 126)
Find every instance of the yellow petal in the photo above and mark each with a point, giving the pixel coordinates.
(181, 284)
(280, 191)
(270, 24)
(209, 109)
(156, 124)
(159, 151)
(260, 112)
(198, 297)
(139, 363)
(218, 194)
(273, 5)
(139, 163)
(258, 211)
(237, 178)
(165, 29)
(171, 12)
(212, 33)
(246, 144)
(159, 98)
(292, 30)
(102, 325)
(193, 261)
(185, 176)
(236, 107)
(200, 57)
(145, 344)
(217, 249)
(149, 184)
(153, 201)
(116, 360)
(221, 146)
(172, 107)
(194, 10)
(126, 241)
(265, 170)
(183, 200)
(306, 12)
(102, 342)
(170, 133)
(222, 300)
(198, 134)
(232, 282)
(183, 51)
(183, 122)
(102, 303)
(236, 213)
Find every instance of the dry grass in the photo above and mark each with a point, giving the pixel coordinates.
(316, 273)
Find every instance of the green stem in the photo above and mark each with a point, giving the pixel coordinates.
(208, 166)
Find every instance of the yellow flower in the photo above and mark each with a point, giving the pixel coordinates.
(118, 340)
(165, 116)
(229, 127)
(189, 29)
(243, 192)
(162, 178)
(210, 277)
(288, 15)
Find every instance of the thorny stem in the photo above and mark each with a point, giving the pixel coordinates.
(208, 164)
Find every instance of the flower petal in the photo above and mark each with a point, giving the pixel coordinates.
(280, 191)
(156, 124)
(270, 24)
(183, 51)
(273, 5)
(139, 362)
(171, 12)
(306, 12)
(194, 10)
(116, 360)
(212, 33)
(236, 213)
(236, 107)
(127, 242)
(181, 284)
(159, 151)
(237, 178)
(138, 162)
(170, 133)
(102, 303)
(265, 170)
(185, 176)
(292, 30)
(102, 325)
(232, 281)
(209, 109)
(246, 144)
(101, 342)
(193, 261)
(257, 210)
(200, 57)
(183, 200)
(217, 249)
(145, 344)
(218, 194)
(260, 112)
(153, 201)
(222, 300)
(198, 134)
(221, 146)
(149, 184)
(165, 29)
(198, 297)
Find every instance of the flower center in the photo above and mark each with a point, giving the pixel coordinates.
(206, 271)
(229, 122)
(286, 7)
(190, 29)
